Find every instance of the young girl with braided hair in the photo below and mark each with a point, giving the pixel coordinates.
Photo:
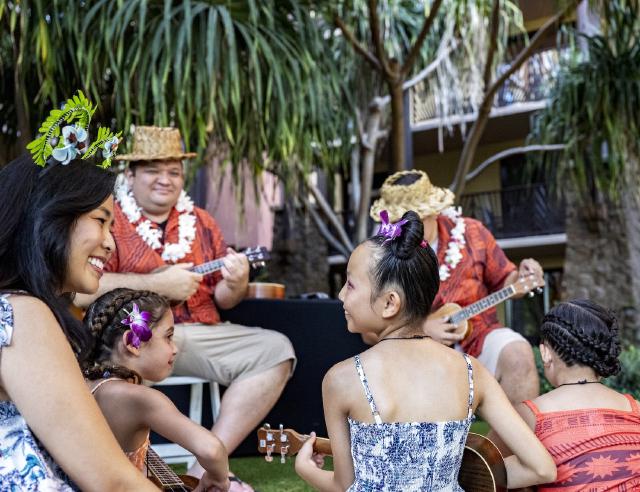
(591, 431)
(398, 414)
(133, 340)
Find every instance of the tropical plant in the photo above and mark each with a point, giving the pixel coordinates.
(593, 108)
(248, 77)
(593, 111)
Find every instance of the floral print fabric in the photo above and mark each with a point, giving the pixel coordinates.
(24, 464)
(407, 456)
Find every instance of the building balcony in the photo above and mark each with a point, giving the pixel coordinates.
(519, 216)
(525, 91)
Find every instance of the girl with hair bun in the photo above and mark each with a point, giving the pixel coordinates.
(591, 431)
(398, 414)
(133, 340)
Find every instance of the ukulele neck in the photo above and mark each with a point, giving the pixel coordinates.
(483, 304)
(163, 473)
(208, 267)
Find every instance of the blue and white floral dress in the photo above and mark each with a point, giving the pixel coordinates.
(407, 456)
(24, 463)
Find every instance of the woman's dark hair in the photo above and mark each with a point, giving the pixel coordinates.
(104, 321)
(39, 208)
(407, 264)
(583, 332)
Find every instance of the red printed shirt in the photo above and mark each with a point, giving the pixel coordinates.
(481, 271)
(133, 255)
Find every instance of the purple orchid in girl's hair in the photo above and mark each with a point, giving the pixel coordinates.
(138, 324)
(390, 230)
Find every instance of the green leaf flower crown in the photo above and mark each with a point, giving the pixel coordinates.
(77, 113)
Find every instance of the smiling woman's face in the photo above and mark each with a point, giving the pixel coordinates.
(90, 247)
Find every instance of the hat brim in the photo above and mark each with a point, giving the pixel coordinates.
(155, 157)
(437, 200)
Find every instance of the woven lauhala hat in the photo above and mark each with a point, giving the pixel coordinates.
(153, 143)
(420, 196)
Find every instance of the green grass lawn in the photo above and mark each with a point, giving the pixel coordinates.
(277, 477)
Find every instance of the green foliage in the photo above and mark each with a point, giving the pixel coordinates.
(77, 108)
(626, 381)
(104, 136)
(250, 78)
(272, 82)
(594, 109)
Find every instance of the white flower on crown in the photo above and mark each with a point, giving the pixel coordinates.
(453, 253)
(152, 236)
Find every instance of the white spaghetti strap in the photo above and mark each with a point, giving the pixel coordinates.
(95, 388)
(367, 392)
(471, 389)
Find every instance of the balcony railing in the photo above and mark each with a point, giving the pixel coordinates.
(528, 85)
(516, 211)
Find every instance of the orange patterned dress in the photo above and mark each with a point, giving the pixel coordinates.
(139, 456)
(595, 449)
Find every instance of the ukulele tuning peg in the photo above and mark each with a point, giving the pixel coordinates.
(283, 454)
(538, 290)
(530, 294)
(270, 450)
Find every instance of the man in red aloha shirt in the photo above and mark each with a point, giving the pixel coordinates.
(157, 226)
(472, 266)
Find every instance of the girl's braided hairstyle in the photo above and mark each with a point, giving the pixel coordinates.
(583, 332)
(104, 321)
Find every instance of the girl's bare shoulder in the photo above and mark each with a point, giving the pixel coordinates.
(340, 378)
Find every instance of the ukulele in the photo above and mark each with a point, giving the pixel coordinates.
(482, 468)
(165, 478)
(256, 256)
(459, 316)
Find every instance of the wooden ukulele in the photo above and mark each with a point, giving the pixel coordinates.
(459, 316)
(165, 478)
(256, 256)
(482, 468)
(265, 290)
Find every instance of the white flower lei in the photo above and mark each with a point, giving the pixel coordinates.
(453, 253)
(186, 224)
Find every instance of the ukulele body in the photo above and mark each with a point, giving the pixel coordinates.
(448, 309)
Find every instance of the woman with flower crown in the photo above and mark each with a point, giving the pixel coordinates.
(472, 266)
(56, 208)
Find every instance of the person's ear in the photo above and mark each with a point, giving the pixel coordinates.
(127, 346)
(392, 304)
(546, 355)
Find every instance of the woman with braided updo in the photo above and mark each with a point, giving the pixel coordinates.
(591, 431)
(133, 340)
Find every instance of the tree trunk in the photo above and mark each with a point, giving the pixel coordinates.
(397, 127)
(369, 145)
(602, 260)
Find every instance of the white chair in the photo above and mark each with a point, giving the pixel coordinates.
(173, 453)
